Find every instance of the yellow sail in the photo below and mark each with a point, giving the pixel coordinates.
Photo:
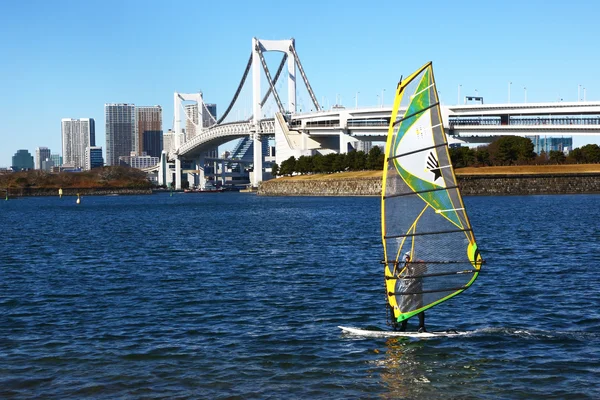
(430, 252)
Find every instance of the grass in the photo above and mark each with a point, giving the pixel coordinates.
(506, 170)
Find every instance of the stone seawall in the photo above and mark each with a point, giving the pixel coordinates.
(470, 185)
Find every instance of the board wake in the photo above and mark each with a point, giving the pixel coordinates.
(371, 333)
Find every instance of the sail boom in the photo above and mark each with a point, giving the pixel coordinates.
(419, 192)
(438, 274)
(427, 233)
(414, 114)
(453, 289)
(417, 151)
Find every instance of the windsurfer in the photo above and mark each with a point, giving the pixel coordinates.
(413, 286)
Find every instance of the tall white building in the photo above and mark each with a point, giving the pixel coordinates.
(77, 135)
(192, 127)
(169, 141)
(191, 122)
(41, 154)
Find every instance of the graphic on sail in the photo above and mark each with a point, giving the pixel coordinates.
(430, 253)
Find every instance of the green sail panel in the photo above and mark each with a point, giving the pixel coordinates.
(430, 250)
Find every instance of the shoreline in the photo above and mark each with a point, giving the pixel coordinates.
(485, 181)
(53, 192)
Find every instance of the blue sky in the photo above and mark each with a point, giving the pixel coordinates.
(65, 59)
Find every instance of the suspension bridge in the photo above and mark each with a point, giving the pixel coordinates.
(339, 129)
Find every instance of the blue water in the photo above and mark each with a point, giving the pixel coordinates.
(237, 296)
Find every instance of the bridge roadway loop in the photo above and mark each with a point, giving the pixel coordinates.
(464, 123)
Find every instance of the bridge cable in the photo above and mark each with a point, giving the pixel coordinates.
(264, 63)
(237, 92)
(310, 91)
(264, 100)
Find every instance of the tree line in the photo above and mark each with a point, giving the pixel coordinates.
(506, 150)
(330, 163)
(114, 177)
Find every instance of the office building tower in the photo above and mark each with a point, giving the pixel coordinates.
(41, 154)
(77, 135)
(47, 165)
(56, 159)
(120, 131)
(191, 121)
(149, 130)
(192, 128)
(139, 162)
(546, 144)
(210, 118)
(169, 141)
(93, 157)
(22, 161)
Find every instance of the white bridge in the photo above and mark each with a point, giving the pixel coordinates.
(340, 128)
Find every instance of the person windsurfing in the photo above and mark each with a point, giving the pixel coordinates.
(412, 284)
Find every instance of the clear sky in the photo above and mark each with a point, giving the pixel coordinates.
(65, 59)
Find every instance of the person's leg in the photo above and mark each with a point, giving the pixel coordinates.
(422, 322)
(403, 325)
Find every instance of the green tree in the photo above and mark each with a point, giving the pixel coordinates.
(576, 156)
(288, 167)
(360, 161)
(462, 157)
(556, 157)
(591, 153)
(375, 159)
(482, 156)
(317, 162)
(511, 150)
(304, 165)
(339, 164)
(274, 169)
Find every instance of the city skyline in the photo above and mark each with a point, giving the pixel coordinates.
(511, 52)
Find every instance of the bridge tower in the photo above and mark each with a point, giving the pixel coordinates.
(258, 47)
(288, 47)
(178, 99)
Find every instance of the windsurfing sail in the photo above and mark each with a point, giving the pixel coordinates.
(430, 253)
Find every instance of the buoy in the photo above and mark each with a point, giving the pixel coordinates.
(78, 199)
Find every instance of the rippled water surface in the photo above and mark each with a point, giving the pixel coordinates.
(232, 295)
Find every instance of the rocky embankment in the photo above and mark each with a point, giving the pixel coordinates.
(470, 185)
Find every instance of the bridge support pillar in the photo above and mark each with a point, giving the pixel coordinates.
(162, 169)
(257, 176)
(201, 176)
(223, 173)
(177, 173)
(345, 140)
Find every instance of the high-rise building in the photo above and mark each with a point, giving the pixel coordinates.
(120, 131)
(149, 130)
(191, 121)
(93, 157)
(22, 160)
(56, 159)
(139, 162)
(41, 154)
(169, 141)
(210, 118)
(546, 144)
(77, 135)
